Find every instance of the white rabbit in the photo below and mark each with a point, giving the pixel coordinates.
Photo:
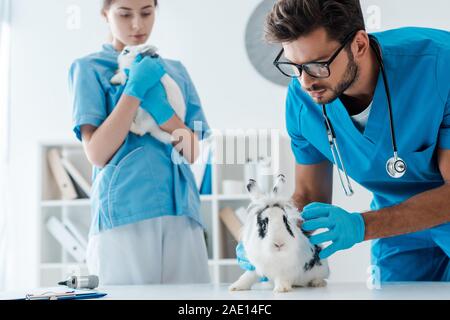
(275, 244)
(143, 122)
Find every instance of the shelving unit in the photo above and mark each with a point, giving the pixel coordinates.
(56, 264)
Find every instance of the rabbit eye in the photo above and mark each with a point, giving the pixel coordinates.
(126, 51)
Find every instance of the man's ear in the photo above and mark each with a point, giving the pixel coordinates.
(360, 44)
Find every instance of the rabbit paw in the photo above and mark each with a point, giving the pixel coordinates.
(118, 78)
(316, 283)
(136, 129)
(245, 282)
(239, 286)
(281, 287)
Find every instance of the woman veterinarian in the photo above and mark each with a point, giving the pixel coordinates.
(146, 226)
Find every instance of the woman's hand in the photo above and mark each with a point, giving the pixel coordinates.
(143, 75)
(156, 103)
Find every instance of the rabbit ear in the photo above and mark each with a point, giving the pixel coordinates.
(254, 190)
(279, 184)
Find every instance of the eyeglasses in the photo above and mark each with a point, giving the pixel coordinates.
(319, 70)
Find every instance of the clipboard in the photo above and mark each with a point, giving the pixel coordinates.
(68, 295)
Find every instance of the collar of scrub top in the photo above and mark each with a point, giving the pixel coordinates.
(395, 166)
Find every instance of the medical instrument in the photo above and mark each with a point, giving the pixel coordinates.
(395, 166)
(81, 282)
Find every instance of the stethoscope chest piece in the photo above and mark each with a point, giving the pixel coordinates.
(396, 167)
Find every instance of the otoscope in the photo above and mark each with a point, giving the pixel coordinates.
(81, 282)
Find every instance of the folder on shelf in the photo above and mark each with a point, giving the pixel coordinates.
(69, 238)
(61, 176)
(241, 213)
(76, 234)
(231, 221)
(79, 169)
(77, 177)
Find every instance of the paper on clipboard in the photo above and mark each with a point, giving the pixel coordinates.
(59, 293)
(54, 293)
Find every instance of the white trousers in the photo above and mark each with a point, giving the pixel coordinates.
(167, 249)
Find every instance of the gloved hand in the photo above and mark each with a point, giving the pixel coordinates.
(143, 74)
(344, 229)
(155, 102)
(243, 262)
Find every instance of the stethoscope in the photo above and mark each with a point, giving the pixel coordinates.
(395, 166)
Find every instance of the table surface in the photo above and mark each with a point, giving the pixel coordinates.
(333, 291)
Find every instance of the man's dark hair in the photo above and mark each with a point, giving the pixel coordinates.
(291, 19)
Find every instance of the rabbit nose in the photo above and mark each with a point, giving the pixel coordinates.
(278, 245)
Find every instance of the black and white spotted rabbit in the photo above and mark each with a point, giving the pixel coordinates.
(276, 246)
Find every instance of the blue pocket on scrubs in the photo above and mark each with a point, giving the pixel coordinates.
(133, 190)
(422, 166)
(100, 199)
(186, 192)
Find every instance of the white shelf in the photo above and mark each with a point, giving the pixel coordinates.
(211, 262)
(65, 203)
(226, 262)
(62, 265)
(54, 263)
(86, 202)
(206, 197)
(233, 197)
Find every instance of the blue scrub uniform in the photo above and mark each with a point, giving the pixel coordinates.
(141, 181)
(417, 63)
(146, 195)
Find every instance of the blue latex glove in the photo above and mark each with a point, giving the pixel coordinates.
(243, 262)
(344, 229)
(143, 74)
(156, 103)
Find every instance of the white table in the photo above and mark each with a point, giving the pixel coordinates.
(334, 291)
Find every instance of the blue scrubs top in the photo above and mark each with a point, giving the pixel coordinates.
(145, 178)
(417, 63)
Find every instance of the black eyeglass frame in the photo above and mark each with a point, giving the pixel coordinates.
(323, 64)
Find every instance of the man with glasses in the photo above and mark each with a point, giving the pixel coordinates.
(350, 88)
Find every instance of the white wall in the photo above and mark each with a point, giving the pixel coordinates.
(207, 35)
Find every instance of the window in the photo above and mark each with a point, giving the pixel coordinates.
(4, 146)
(4, 76)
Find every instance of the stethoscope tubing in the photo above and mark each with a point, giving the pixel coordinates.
(332, 134)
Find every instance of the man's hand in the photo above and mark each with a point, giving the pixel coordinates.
(243, 261)
(344, 229)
